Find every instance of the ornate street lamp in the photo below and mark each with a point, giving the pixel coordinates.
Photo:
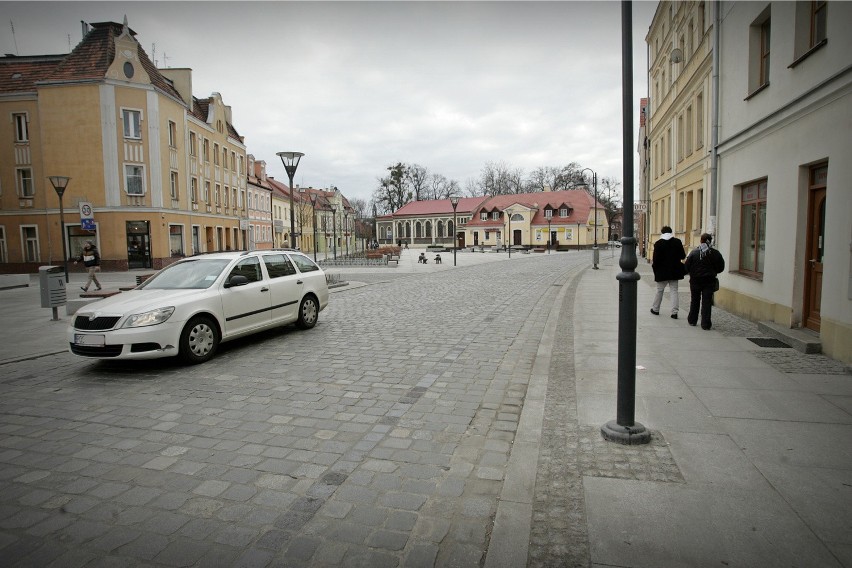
(549, 234)
(454, 201)
(291, 162)
(595, 252)
(334, 230)
(509, 236)
(59, 183)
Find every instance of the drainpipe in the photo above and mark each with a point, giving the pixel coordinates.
(714, 135)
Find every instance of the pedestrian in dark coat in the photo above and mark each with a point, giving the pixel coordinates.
(703, 264)
(91, 259)
(667, 262)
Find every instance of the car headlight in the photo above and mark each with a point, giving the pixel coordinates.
(153, 317)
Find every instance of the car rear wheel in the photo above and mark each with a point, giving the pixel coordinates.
(308, 313)
(199, 340)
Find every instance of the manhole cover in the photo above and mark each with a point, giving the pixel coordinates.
(767, 342)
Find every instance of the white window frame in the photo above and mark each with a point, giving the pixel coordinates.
(182, 250)
(193, 188)
(193, 144)
(174, 184)
(127, 176)
(4, 251)
(563, 212)
(22, 130)
(548, 213)
(207, 192)
(172, 134)
(483, 216)
(30, 240)
(132, 131)
(22, 182)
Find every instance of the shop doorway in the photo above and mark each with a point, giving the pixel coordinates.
(138, 244)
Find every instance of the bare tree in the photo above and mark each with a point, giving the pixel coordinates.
(441, 188)
(417, 177)
(393, 191)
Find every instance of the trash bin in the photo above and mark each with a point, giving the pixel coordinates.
(51, 281)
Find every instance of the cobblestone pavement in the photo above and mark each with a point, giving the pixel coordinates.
(379, 438)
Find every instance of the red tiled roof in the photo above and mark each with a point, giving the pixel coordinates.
(579, 202)
(20, 74)
(438, 207)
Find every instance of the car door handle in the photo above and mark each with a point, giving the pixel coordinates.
(299, 282)
(264, 289)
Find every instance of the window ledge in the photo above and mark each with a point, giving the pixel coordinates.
(757, 90)
(756, 276)
(807, 54)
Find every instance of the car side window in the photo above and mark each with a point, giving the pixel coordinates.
(249, 267)
(304, 263)
(278, 265)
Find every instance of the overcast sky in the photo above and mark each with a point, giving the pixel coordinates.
(359, 86)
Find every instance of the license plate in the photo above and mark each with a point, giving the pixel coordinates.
(86, 339)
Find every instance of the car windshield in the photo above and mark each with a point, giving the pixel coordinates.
(189, 274)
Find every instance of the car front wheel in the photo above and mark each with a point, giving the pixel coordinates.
(198, 340)
(308, 313)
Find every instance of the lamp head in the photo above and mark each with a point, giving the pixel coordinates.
(454, 200)
(290, 161)
(59, 183)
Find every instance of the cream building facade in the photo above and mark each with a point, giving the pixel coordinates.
(161, 172)
(680, 48)
(785, 204)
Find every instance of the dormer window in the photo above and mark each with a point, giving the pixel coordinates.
(563, 212)
(548, 213)
(495, 215)
(483, 216)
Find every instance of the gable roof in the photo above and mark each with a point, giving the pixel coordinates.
(438, 207)
(20, 74)
(578, 201)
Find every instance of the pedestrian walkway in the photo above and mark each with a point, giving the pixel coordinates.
(751, 462)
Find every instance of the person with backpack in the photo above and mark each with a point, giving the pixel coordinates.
(91, 259)
(703, 264)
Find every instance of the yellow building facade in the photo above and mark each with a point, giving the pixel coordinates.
(680, 64)
(155, 173)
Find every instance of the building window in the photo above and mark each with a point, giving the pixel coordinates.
(495, 215)
(134, 181)
(173, 182)
(668, 157)
(563, 212)
(206, 150)
(24, 178)
(688, 136)
(132, 123)
(4, 253)
(548, 213)
(225, 196)
(172, 134)
(216, 154)
(680, 138)
(483, 216)
(233, 161)
(22, 133)
(193, 144)
(759, 44)
(29, 241)
(753, 227)
(206, 192)
(176, 240)
(818, 22)
(216, 193)
(193, 185)
(699, 121)
(810, 28)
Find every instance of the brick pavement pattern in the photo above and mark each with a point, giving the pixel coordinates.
(379, 438)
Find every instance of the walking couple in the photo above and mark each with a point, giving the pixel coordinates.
(702, 265)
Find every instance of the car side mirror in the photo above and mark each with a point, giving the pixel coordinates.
(236, 280)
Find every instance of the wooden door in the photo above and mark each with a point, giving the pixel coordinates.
(815, 248)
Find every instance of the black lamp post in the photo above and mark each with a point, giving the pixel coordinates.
(334, 230)
(595, 252)
(454, 201)
(624, 429)
(346, 229)
(313, 217)
(59, 183)
(549, 235)
(291, 162)
(509, 236)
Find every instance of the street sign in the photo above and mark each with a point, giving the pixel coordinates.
(87, 216)
(640, 207)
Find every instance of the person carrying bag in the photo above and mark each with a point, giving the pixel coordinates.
(702, 265)
(91, 259)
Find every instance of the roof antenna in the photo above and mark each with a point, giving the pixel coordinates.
(154, 53)
(69, 43)
(165, 59)
(11, 25)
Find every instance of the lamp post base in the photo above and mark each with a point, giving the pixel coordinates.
(626, 435)
(596, 255)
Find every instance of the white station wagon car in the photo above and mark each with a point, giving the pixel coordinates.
(189, 307)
